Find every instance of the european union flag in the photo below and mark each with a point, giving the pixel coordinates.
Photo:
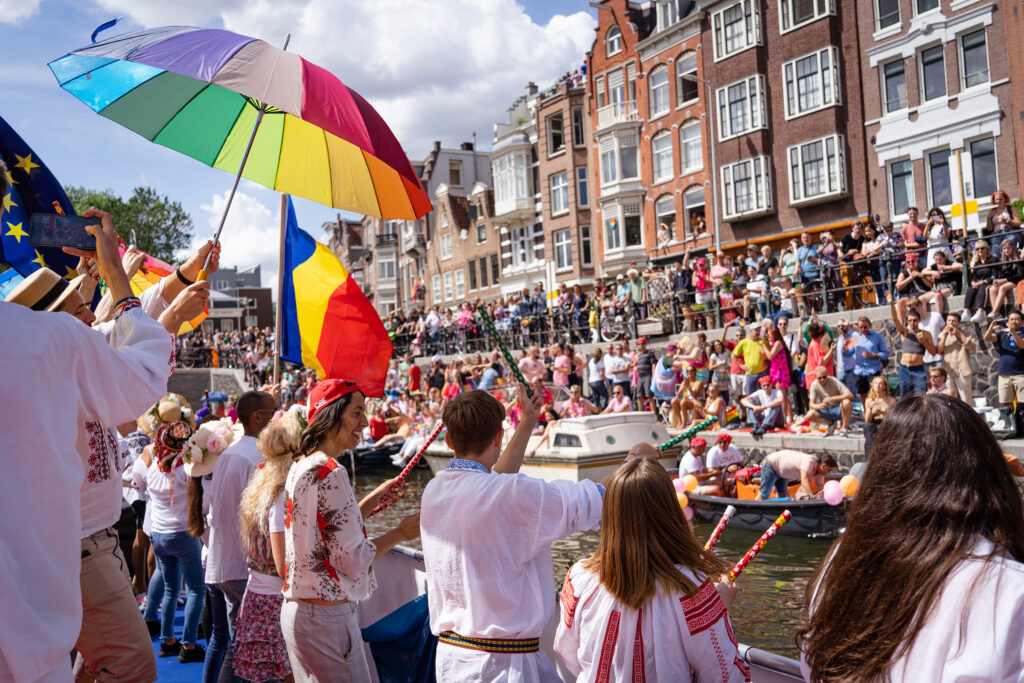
(31, 189)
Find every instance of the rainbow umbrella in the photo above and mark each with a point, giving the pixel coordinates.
(241, 105)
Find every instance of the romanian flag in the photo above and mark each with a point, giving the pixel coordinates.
(327, 323)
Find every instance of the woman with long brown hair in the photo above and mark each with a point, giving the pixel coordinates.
(644, 605)
(927, 583)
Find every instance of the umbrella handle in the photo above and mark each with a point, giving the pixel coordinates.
(202, 276)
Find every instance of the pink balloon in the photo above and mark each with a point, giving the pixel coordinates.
(680, 485)
(832, 492)
(688, 511)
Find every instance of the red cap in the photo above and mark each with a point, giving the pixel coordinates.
(724, 438)
(327, 392)
(641, 340)
(765, 380)
(698, 442)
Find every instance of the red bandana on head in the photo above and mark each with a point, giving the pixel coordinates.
(170, 445)
(327, 392)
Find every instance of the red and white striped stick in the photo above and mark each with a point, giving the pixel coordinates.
(761, 543)
(392, 494)
(720, 527)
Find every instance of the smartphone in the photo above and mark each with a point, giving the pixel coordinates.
(55, 230)
(1001, 321)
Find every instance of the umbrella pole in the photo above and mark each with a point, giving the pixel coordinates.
(234, 186)
(280, 292)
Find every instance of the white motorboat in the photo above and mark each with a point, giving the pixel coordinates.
(401, 578)
(580, 447)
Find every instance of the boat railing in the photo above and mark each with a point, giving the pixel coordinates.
(788, 668)
(406, 551)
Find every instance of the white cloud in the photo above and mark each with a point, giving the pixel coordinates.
(251, 234)
(13, 11)
(435, 71)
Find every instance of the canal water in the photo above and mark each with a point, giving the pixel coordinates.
(769, 606)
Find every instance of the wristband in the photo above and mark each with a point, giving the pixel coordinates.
(126, 304)
(184, 280)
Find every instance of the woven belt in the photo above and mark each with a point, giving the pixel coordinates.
(493, 645)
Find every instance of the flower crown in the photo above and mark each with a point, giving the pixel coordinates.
(211, 438)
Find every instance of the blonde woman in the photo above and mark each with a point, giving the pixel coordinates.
(876, 405)
(260, 651)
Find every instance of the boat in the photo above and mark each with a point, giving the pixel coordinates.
(401, 578)
(368, 458)
(580, 447)
(812, 518)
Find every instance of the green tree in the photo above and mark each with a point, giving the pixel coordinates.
(162, 227)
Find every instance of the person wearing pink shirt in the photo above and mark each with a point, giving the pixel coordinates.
(532, 366)
(620, 403)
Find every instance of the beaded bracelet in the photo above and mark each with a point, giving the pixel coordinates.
(126, 304)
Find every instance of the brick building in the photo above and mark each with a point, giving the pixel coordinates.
(346, 241)
(1013, 21)
(565, 184)
(789, 134)
(937, 91)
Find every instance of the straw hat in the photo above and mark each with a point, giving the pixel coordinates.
(205, 447)
(44, 290)
(170, 408)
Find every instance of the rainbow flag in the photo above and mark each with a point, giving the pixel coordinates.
(327, 323)
(150, 273)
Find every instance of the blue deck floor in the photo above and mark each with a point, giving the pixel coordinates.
(169, 669)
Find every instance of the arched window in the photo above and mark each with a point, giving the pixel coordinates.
(686, 68)
(661, 153)
(613, 41)
(690, 148)
(657, 87)
(665, 217)
(693, 211)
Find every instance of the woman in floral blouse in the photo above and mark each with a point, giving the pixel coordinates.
(327, 554)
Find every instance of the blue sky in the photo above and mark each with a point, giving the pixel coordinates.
(425, 84)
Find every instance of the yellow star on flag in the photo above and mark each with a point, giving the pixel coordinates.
(39, 259)
(10, 178)
(25, 163)
(8, 202)
(16, 232)
(71, 274)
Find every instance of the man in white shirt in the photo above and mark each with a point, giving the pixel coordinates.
(59, 375)
(487, 534)
(532, 366)
(617, 366)
(764, 407)
(723, 455)
(226, 568)
(691, 463)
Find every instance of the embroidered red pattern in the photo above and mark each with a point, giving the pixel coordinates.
(288, 515)
(101, 446)
(720, 655)
(742, 666)
(172, 362)
(639, 675)
(703, 609)
(569, 601)
(611, 634)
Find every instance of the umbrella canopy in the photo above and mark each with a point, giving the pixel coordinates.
(198, 91)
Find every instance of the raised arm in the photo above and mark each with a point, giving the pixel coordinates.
(512, 458)
(900, 327)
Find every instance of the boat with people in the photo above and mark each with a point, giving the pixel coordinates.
(580, 448)
(812, 518)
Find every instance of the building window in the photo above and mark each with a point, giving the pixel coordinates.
(657, 84)
(817, 169)
(901, 185)
(687, 89)
(983, 167)
(460, 284)
(628, 157)
(612, 41)
(599, 87)
(446, 246)
(585, 257)
(665, 215)
(741, 107)
(939, 181)
(894, 90)
(481, 232)
(472, 275)
(510, 181)
(661, 152)
(582, 195)
(668, 14)
(563, 249)
(252, 321)
(386, 270)
(736, 28)
(609, 163)
(447, 286)
(812, 82)
(923, 6)
(435, 287)
(455, 173)
(559, 186)
(632, 225)
(483, 272)
(495, 269)
(690, 147)
(796, 13)
(619, 159)
(933, 73)
(887, 13)
(612, 233)
(579, 137)
(746, 189)
(522, 247)
(974, 58)
(444, 220)
(693, 211)
(556, 134)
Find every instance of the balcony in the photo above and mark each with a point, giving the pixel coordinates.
(517, 208)
(414, 243)
(387, 239)
(616, 113)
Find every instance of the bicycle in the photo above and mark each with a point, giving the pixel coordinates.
(615, 325)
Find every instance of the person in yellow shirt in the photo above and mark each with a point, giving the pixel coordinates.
(750, 354)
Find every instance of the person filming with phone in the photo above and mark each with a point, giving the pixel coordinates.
(1010, 343)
